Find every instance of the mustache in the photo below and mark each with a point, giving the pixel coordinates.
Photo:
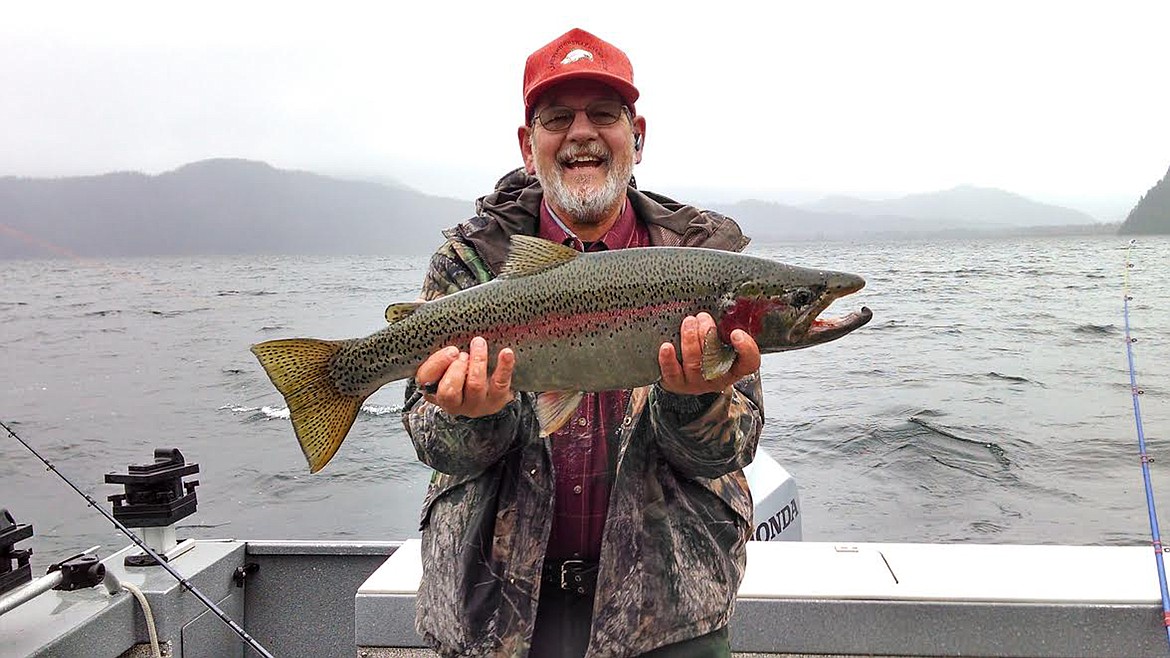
(587, 150)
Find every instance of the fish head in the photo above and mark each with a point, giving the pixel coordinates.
(781, 307)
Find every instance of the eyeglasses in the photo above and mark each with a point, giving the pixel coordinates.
(558, 118)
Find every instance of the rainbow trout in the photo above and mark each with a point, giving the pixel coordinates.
(576, 322)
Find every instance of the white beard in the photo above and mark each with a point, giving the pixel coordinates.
(587, 204)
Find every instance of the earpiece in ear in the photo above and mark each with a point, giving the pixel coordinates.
(637, 141)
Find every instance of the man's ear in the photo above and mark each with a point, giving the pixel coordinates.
(522, 133)
(639, 137)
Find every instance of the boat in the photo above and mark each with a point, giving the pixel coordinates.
(322, 598)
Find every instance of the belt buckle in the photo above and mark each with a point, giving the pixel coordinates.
(565, 567)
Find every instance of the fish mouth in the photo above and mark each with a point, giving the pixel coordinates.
(825, 329)
(812, 329)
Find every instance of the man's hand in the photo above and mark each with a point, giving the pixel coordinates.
(460, 382)
(687, 379)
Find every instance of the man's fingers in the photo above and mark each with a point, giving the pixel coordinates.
(505, 364)
(431, 370)
(747, 359)
(668, 363)
(704, 326)
(692, 348)
(450, 394)
(476, 383)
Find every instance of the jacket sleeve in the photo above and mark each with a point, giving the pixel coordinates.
(457, 445)
(714, 439)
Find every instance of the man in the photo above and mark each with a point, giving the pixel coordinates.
(623, 532)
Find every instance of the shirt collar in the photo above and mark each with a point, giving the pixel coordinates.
(619, 236)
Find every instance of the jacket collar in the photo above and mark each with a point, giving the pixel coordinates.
(515, 208)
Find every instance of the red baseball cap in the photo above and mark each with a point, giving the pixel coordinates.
(576, 54)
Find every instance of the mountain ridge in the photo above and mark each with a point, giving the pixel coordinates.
(236, 206)
(1151, 215)
(221, 206)
(962, 203)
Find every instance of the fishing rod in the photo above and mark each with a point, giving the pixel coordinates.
(161, 561)
(1141, 435)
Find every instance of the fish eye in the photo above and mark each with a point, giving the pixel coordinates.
(802, 297)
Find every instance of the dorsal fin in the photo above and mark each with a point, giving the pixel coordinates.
(399, 310)
(529, 255)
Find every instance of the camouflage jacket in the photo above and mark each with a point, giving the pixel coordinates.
(680, 512)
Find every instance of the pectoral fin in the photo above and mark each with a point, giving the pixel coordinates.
(555, 408)
(717, 357)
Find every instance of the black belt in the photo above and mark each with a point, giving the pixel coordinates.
(577, 576)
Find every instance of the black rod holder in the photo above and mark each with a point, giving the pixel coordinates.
(15, 570)
(156, 495)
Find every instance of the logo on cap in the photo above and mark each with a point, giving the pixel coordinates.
(576, 55)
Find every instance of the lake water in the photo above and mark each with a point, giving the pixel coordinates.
(987, 401)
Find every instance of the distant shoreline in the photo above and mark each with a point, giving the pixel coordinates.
(1104, 230)
(244, 207)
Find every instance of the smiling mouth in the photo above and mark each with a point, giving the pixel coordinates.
(583, 163)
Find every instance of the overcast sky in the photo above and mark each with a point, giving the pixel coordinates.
(1055, 100)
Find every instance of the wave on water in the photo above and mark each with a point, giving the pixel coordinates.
(246, 293)
(916, 447)
(961, 272)
(175, 314)
(103, 314)
(381, 410)
(987, 527)
(1013, 378)
(993, 448)
(281, 413)
(1096, 329)
(259, 413)
(349, 287)
(201, 526)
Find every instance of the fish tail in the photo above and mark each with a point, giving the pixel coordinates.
(321, 415)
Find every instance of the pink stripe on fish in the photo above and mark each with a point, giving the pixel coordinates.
(566, 325)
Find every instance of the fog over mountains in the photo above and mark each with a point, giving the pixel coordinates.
(960, 211)
(228, 206)
(960, 204)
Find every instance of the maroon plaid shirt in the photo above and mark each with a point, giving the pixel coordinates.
(580, 449)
